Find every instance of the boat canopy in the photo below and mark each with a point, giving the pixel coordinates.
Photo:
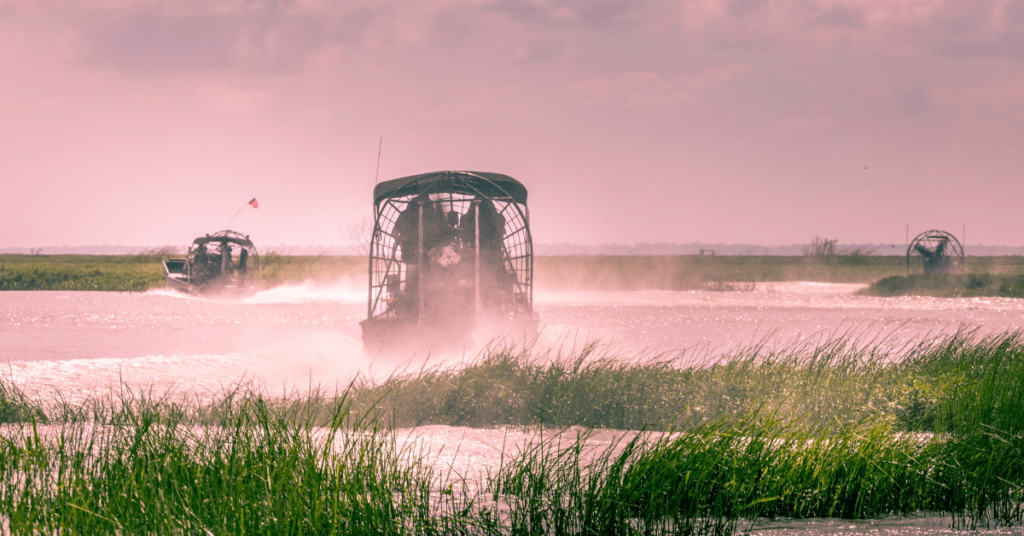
(492, 185)
(218, 237)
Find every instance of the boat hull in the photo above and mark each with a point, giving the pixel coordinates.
(176, 274)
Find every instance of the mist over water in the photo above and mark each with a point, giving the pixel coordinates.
(291, 337)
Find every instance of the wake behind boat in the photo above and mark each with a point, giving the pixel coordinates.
(225, 263)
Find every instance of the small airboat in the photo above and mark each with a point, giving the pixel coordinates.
(225, 263)
(451, 254)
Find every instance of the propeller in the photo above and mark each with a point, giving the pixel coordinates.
(939, 251)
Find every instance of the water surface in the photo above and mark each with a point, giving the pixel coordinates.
(83, 343)
(295, 336)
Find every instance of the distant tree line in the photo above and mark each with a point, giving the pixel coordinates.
(827, 247)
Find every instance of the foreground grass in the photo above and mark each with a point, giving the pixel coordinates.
(150, 468)
(829, 381)
(830, 430)
(950, 286)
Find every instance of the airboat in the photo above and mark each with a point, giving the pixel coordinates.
(941, 253)
(451, 255)
(225, 263)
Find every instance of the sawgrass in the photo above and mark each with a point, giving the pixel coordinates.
(15, 406)
(829, 430)
(831, 381)
(949, 285)
(152, 467)
(122, 273)
(280, 269)
(718, 477)
(692, 272)
(138, 273)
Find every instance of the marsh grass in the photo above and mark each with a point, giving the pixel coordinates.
(949, 285)
(124, 273)
(700, 272)
(278, 269)
(830, 380)
(833, 429)
(154, 467)
(717, 477)
(138, 273)
(15, 406)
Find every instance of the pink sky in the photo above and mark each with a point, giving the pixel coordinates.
(743, 121)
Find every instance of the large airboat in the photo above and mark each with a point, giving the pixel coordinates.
(225, 264)
(451, 255)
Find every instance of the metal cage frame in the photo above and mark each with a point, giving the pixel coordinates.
(232, 237)
(457, 195)
(951, 263)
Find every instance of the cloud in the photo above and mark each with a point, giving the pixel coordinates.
(218, 96)
(905, 27)
(475, 102)
(916, 101)
(140, 42)
(539, 52)
(268, 36)
(1004, 99)
(744, 8)
(843, 16)
(276, 35)
(595, 14)
(648, 90)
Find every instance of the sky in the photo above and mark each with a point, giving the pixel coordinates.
(138, 122)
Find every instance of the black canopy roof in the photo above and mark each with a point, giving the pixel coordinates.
(224, 236)
(465, 182)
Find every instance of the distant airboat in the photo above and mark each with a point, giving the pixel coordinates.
(225, 263)
(451, 253)
(941, 253)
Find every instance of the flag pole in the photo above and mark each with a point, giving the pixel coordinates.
(380, 147)
(252, 203)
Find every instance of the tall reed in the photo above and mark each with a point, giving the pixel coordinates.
(263, 468)
(833, 429)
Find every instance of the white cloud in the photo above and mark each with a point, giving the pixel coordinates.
(219, 96)
(1003, 99)
(648, 90)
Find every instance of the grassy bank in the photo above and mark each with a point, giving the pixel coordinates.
(949, 286)
(830, 430)
(123, 273)
(687, 272)
(139, 273)
(281, 269)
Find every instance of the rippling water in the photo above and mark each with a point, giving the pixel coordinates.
(294, 336)
(290, 337)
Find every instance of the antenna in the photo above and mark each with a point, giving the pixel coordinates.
(373, 222)
(252, 203)
(380, 147)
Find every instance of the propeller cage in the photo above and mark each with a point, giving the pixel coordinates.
(940, 253)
